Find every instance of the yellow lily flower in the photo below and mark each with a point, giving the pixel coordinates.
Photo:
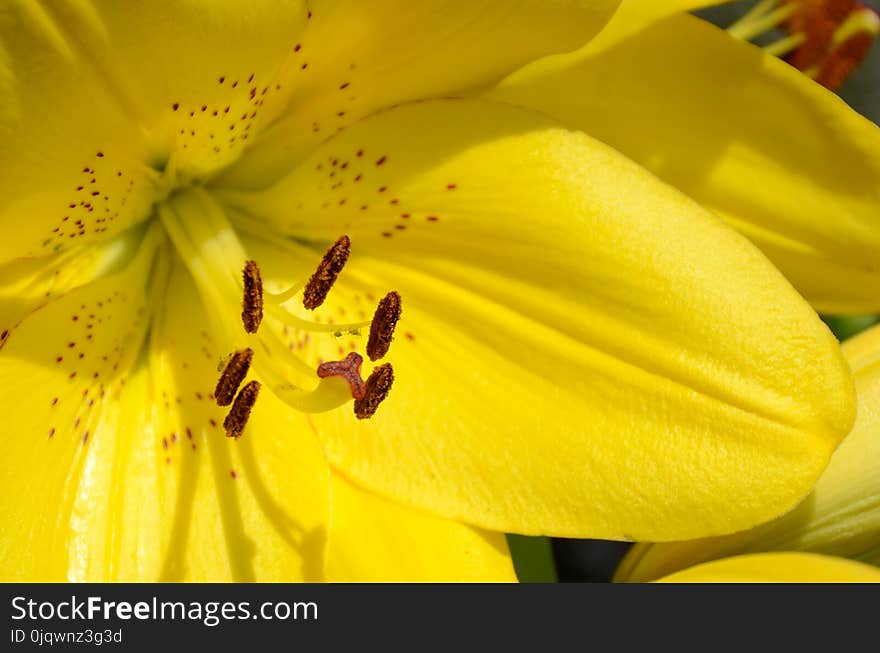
(583, 350)
(777, 568)
(840, 517)
(782, 159)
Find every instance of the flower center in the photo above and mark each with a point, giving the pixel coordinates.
(826, 39)
(231, 286)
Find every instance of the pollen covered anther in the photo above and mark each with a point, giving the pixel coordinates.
(350, 370)
(325, 276)
(378, 387)
(382, 327)
(849, 46)
(240, 412)
(252, 304)
(827, 39)
(234, 372)
(843, 60)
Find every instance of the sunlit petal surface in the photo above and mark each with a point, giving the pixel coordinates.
(516, 275)
(748, 136)
(840, 517)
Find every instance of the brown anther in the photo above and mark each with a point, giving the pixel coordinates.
(843, 60)
(816, 20)
(836, 34)
(378, 387)
(252, 304)
(350, 370)
(233, 374)
(238, 415)
(849, 47)
(382, 327)
(325, 276)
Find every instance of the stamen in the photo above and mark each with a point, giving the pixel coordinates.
(233, 374)
(252, 304)
(238, 415)
(827, 39)
(849, 47)
(817, 20)
(350, 370)
(378, 387)
(753, 25)
(843, 60)
(382, 327)
(325, 276)
(282, 297)
(785, 45)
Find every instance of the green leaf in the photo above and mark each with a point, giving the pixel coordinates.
(532, 558)
(847, 326)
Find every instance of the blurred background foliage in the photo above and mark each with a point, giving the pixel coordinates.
(542, 559)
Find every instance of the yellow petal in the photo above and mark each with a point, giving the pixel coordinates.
(746, 135)
(355, 58)
(138, 481)
(374, 540)
(65, 137)
(28, 283)
(103, 107)
(778, 568)
(209, 74)
(252, 509)
(60, 367)
(840, 517)
(584, 351)
(633, 15)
